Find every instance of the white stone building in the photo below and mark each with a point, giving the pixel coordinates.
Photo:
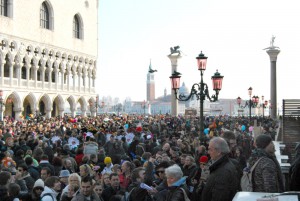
(48, 52)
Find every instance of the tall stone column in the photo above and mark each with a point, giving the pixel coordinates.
(273, 52)
(174, 102)
(2, 62)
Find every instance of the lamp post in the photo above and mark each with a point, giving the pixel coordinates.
(200, 90)
(263, 105)
(252, 103)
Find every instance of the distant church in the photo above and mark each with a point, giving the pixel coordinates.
(161, 105)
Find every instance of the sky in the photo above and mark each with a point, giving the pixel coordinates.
(232, 34)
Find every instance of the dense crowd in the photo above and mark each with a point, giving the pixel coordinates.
(137, 158)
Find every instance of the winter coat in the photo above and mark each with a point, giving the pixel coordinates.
(174, 191)
(51, 197)
(294, 175)
(162, 189)
(34, 172)
(189, 171)
(222, 183)
(138, 193)
(81, 197)
(109, 192)
(29, 182)
(267, 176)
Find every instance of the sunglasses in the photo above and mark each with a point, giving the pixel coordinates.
(39, 188)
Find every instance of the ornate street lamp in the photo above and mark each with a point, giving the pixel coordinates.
(263, 105)
(200, 90)
(251, 103)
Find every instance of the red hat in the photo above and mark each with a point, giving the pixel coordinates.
(203, 159)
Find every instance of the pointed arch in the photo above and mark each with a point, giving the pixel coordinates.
(47, 103)
(29, 104)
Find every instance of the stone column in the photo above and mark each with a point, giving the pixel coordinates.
(79, 81)
(2, 62)
(56, 78)
(74, 81)
(35, 69)
(18, 112)
(89, 79)
(61, 112)
(50, 78)
(73, 112)
(18, 73)
(174, 102)
(11, 72)
(273, 53)
(62, 79)
(27, 74)
(48, 114)
(84, 82)
(68, 80)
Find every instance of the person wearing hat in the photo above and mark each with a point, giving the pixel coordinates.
(108, 165)
(37, 190)
(63, 178)
(267, 175)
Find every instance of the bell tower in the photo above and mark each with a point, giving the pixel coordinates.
(150, 84)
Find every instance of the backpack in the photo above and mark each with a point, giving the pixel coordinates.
(47, 194)
(186, 198)
(246, 180)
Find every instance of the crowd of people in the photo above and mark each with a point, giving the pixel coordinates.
(137, 158)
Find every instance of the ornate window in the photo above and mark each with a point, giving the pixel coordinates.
(76, 29)
(44, 16)
(3, 8)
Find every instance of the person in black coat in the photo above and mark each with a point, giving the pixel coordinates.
(294, 172)
(33, 171)
(114, 188)
(222, 183)
(177, 189)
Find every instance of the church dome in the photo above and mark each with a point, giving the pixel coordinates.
(183, 89)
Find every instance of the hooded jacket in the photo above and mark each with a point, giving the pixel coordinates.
(51, 197)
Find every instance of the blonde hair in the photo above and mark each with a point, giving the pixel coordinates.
(74, 175)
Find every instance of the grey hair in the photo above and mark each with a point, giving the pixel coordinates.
(174, 171)
(220, 145)
(74, 175)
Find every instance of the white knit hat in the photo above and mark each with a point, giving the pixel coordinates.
(39, 183)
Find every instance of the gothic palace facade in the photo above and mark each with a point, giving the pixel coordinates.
(48, 52)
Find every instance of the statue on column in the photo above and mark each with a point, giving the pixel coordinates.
(272, 44)
(175, 50)
(272, 41)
